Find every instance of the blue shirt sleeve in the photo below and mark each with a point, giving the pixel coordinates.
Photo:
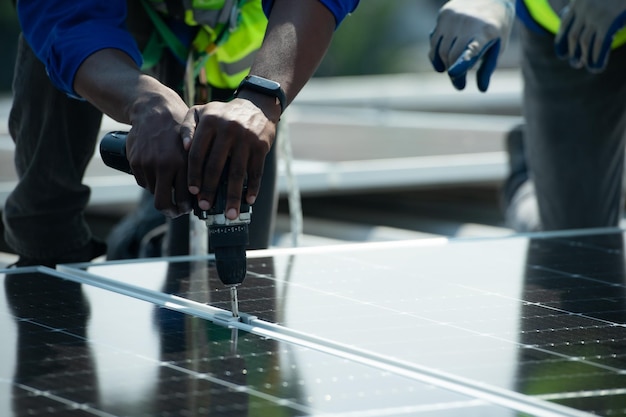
(339, 8)
(63, 33)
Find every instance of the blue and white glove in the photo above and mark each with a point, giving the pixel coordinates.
(469, 31)
(587, 31)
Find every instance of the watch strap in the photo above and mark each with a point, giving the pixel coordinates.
(263, 86)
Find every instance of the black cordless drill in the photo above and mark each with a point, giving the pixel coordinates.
(227, 238)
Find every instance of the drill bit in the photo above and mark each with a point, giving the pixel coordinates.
(230, 261)
(234, 302)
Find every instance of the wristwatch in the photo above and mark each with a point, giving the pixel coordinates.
(263, 86)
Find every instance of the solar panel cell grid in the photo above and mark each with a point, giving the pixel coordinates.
(84, 351)
(531, 324)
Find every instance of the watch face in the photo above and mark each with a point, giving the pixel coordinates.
(264, 86)
(264, 83)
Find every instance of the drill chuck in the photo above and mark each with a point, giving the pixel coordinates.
(230, 262)
(113, 151)
(228, 240)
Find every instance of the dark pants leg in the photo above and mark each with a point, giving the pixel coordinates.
(574, 137)
(264, 209)
(55, 138)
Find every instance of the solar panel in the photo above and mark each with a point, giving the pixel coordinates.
(75, 350)
(526, 325)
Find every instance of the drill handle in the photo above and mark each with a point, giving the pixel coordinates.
(113, 151)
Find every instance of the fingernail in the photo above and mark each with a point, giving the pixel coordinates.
(186, 142)
(204, 205)
(231, 214)
(251, 199)
(194, 190)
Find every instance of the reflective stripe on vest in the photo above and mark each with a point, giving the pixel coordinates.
(546, 16)
(201, 12)
(210, 13)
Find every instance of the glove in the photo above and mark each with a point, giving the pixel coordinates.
(468, 31)
(587, 31)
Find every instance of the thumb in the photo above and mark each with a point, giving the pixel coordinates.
(188, 128)
(488, 66)
(467, 60)
(600, 61)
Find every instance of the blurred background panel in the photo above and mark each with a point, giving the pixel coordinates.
(381, 37)
(383, 147)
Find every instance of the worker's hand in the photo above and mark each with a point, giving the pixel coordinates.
(110, 80)
(587, 31)
(155, 152)
(239, 130)
(468, 31)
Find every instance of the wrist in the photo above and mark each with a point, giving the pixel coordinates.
(266, 94)
(150, 96)
(267, 104)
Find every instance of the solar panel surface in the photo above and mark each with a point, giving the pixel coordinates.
(526, 325)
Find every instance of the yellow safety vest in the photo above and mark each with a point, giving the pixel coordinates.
(230, 60)
(231, 31)
(546, 16)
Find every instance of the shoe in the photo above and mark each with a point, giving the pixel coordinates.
(92, 250)
(136, 235)
(518, 168)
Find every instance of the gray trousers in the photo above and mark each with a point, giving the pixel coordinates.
(574, 141)
(55, 138)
